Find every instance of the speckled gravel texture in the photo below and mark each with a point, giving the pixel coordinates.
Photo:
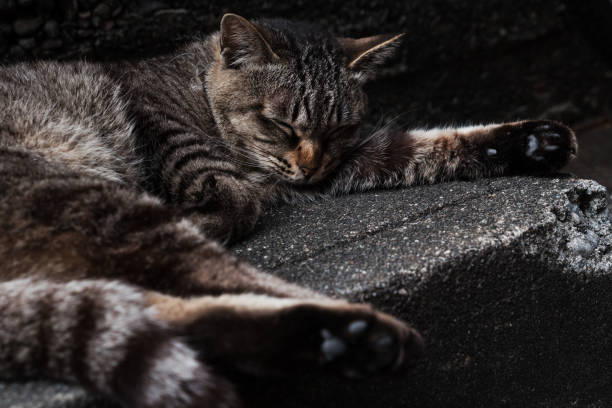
(360, 242)
(508, 279)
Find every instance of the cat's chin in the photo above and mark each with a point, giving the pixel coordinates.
(304, 182)
(305, 185)
(293, 182)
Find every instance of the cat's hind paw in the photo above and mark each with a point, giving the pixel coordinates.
(263, 335)
(362, 342)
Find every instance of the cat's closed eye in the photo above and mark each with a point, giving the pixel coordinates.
(291, 136)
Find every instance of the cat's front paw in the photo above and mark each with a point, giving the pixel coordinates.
(537, 145)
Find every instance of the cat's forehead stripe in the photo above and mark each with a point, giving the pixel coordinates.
(295, 110)
(319, 91)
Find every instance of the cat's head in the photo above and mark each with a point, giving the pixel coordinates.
(289, 97)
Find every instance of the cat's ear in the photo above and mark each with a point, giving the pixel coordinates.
(366, 54)
(242, 42)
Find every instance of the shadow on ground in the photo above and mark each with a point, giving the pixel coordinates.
(507, 339)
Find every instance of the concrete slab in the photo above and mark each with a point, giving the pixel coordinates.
(508, 279)
(595, 157)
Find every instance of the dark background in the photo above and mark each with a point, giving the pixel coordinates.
(461, 62)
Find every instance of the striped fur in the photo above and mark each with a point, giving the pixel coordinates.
(104, 335)
(120, 183)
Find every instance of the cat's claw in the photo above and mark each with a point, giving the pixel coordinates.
(357, 327)
(332, 346)
(544, 142)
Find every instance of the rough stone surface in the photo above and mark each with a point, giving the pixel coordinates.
(594, 159)
(514, 313)
(440, 31)
(508, 279)
(27, 26)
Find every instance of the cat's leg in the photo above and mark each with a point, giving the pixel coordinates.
(224, 208)
(145, 349)
(389, 159)
(266, 335)
(99, 229)
(67, 225)
(202, 179)
(105, 336)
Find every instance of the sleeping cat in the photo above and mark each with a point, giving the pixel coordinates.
(120, 183)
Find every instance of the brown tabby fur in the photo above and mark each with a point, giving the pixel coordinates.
(119, 181)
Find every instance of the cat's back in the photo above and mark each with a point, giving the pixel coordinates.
(71, 113)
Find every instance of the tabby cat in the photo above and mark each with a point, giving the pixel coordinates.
(120, 183)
